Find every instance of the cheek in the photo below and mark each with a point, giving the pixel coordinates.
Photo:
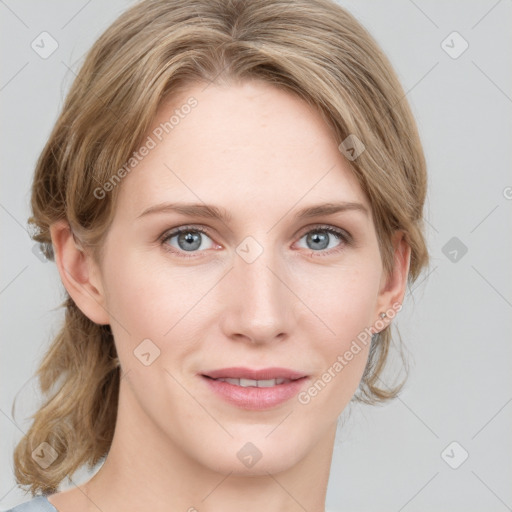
(342, 339)
(344, 303)
(130, 301)
(132, 292)
(342, 298)
(150, 298)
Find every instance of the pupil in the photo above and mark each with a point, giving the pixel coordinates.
(192, 241)
(319, 238)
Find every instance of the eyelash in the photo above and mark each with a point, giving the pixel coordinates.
(344, 236)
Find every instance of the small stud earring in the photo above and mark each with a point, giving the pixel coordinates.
(383, 315)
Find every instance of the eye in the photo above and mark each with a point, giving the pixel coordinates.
(191, 239)
(320, 238)
(188, 239)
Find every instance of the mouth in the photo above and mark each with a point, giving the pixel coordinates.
(264, 383)
(247, 374)
(255, 389)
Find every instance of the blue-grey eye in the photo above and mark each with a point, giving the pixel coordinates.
(319, 239)
(188, 240)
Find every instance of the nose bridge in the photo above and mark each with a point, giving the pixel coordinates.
(261, 305)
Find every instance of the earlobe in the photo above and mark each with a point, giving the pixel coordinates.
(79, 274)
(393, 288)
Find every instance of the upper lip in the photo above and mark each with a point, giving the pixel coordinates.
(237, 372)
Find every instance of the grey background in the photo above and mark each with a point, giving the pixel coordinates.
(456, 321)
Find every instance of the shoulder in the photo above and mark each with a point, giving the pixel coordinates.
(37, 504)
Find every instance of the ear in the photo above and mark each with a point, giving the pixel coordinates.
(393, 287)
(79, 273)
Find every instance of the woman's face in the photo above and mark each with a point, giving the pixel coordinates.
(263, 287)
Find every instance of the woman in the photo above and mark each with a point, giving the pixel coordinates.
(233, 195)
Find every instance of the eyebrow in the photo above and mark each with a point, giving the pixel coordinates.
(214, 212)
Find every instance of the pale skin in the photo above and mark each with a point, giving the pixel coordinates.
(261, 154)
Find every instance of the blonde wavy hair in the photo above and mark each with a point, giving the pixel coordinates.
(312, 48)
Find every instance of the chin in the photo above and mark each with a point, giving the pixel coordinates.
(255, 452)
(270, 461)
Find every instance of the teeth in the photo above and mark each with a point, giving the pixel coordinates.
(247, 382)
(255, 383)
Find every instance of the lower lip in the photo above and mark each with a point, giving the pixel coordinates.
(253, 398)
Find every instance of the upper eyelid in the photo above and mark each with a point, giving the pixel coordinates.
(176, 231)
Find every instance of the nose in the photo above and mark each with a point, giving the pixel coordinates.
(259, 306)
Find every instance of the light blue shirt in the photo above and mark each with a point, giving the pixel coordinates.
(37, 504)
(41, 504)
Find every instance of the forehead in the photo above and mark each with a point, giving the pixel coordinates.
(249, 145)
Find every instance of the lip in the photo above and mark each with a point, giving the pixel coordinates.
(239, 372)
(255, 398)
